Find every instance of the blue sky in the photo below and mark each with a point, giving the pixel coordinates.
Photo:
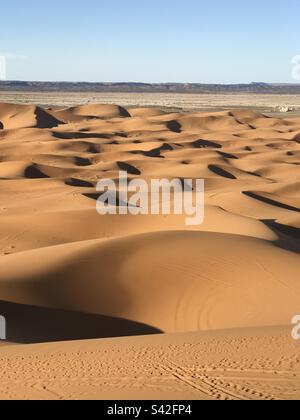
(210, 41)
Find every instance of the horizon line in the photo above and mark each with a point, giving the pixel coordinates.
(156, 83)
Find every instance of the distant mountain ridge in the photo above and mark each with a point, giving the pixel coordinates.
(127, 87)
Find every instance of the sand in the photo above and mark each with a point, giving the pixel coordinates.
(253, 364)
(184, 101)
(217, 299)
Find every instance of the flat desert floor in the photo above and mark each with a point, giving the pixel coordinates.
(267, 103)
(213, 304)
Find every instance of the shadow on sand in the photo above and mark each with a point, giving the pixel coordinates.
(288, 236)
(30, 324)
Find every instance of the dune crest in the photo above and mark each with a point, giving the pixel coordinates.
(22, 116)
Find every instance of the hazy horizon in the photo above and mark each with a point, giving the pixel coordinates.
(148, 83)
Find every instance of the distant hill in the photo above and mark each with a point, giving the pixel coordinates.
(148, 87)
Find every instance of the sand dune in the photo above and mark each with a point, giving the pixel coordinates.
(86, 276)
(123, 278)
(82, 112)
(20, 116)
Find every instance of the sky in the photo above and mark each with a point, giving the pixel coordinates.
(191, 41)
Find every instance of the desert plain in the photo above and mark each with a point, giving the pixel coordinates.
(129, 307)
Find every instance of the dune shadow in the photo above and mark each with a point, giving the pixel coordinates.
(79, 136)
(74, 182)
(270, 201)
(174, 126)
(289, 236)
(154, 153)
(297, 138)
(94, 149)
(206, 144)
(80, 161)
(30, 324)
(221, 172)
(33, 172)
(98, 196)
(45, 120)
(225, 155)
(130, 169)
(253, 174)
(92, 196)
(123, 112)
